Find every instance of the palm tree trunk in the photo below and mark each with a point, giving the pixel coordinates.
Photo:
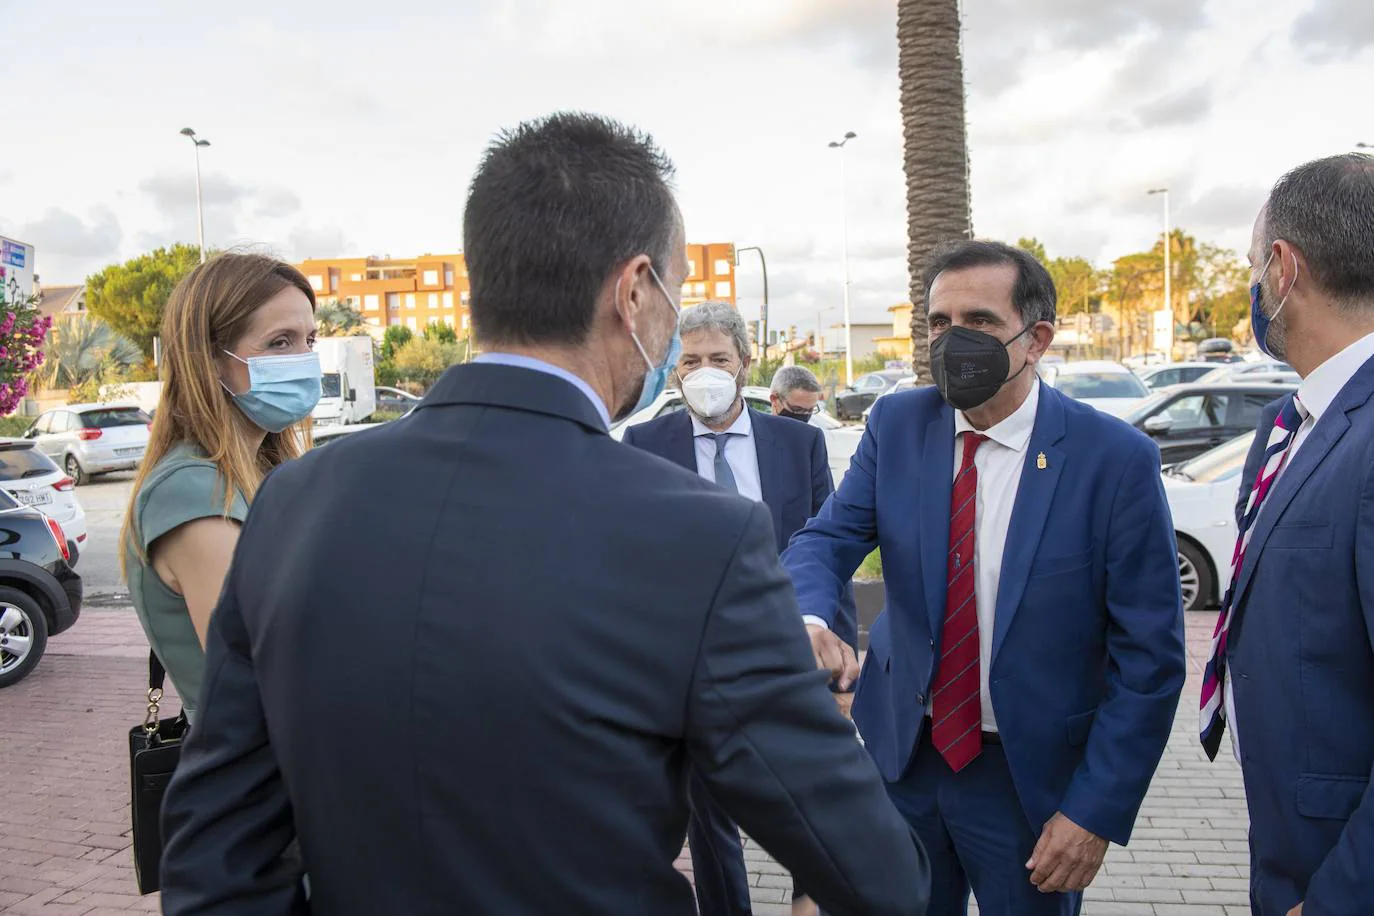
(931, 68)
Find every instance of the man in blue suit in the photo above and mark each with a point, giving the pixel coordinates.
(773, 460)
(493, 709)
(1019, 688)
(1292, 674)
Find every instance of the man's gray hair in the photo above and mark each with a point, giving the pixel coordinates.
(717, 316)
(1326, 209)
(795, 378)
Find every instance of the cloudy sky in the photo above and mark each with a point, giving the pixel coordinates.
(349, 128)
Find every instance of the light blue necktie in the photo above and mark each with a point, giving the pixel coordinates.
(724, 476)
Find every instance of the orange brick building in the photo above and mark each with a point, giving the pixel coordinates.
(433, 288)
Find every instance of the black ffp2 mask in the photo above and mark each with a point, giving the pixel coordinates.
(969, 367)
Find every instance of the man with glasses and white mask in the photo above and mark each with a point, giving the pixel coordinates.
(769, 459)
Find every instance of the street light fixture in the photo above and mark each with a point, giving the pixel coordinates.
(763, 349)
(200, 209)
(844, 220)
(1168, 274)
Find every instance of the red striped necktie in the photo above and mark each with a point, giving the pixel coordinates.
(956, 708)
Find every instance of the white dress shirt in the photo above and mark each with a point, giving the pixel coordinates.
(999, 463)
(1317, 393)
(741, 453)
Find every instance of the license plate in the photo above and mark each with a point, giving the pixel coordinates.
(128, 452)
(33, 497)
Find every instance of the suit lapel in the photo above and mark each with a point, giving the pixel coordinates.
(936, 477)
(770, 464)
(1034, 496)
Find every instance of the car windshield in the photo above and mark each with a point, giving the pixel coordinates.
(20, 462)
(1144, 408)
(112, 417)
(329, 385)
(1100, 385)
(1217, 464)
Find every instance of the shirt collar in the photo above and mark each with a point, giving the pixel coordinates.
(742, 426)
(538, 365)
(1015, 431)
(1319, 390)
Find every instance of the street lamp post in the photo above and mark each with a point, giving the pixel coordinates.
(200, 209)
(764, 311)
(844, 221)
(1168, 274)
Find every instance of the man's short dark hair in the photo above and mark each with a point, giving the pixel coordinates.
(556, 205)
(1326, 209)
(1033, 295)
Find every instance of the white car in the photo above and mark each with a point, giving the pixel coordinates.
(33, 479)
(841, 442)
(1266, 370)
(1108, 386)
(1202, 495)
(1166, 374)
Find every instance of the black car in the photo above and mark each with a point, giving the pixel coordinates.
(851, 403)
(1187, 420)
(40, 595)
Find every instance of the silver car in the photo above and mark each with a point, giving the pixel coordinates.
(90, 439)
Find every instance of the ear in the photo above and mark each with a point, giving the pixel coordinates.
(1040, 336)
(627, 289)
(1288, 265)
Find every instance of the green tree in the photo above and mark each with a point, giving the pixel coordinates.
(337, 319)
(440, 332)
(396, 337)
(130, 297)
(423, 359)
(84, 354)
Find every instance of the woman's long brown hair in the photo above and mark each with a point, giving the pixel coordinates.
(206, 314)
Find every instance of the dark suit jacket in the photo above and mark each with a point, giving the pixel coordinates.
(466, 660)
(1301, 662)
(794, 474)
(1087, 654)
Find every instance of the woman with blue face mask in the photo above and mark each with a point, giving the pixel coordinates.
(240, 380)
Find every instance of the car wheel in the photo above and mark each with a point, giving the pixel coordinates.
(23, 635)
(73, 468)
(1195, 576)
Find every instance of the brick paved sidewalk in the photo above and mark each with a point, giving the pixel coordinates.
(64, 845)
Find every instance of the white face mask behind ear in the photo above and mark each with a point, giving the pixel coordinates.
(710, 392)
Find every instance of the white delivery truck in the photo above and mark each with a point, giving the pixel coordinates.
(349, 386)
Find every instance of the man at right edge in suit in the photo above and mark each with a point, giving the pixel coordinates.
(1020, 686)
(1291, 677)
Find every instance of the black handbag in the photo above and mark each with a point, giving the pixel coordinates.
(154, 749)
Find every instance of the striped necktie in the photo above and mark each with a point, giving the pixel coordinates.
(1213, 716)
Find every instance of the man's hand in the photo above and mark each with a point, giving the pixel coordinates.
(834, 655)
(1066, 858)
(1296, 911)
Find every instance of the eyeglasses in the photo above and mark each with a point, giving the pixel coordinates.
(800, 411)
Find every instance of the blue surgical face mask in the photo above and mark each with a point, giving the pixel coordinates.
(1260, 322)
(657, 377)
(282, 390)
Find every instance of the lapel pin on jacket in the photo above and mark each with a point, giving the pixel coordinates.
(1040, 461)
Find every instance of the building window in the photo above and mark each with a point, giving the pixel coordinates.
(393, 301)
(691, 268)
(412, 324)
(448, 300)
(723, 289)
(410, 300)
(351, 301)
(722, 267)
(316, 282)
(434, 300)
(448, 276)
(356, 278)
(431, 278)
(371, 303)
(467, 322)
(333, 282)
(375, 322)
(448, 320)
(463, 297)
(700, 289)
(394, 320)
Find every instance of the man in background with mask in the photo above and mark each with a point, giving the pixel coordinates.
(796, 393)
(494, 704)
(1291, 677)
(771, 460)
(1019, 688)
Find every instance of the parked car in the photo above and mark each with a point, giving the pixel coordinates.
(841, 442)
(1108, 386)
(1187, 420)
(1136, 363)
(40, 594)
(1218, 350)
(91, 439)
(905, 384)
(850, 403)
(1263, 371)
(1202, 497)
(395, 400)
(34, 480)
(1162, 376)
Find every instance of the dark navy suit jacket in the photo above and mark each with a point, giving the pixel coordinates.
(794, 474)
(1302, 667)
(466, 659)
(1087, 654)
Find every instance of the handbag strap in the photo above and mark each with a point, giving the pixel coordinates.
(156, 676)
(156, 673)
